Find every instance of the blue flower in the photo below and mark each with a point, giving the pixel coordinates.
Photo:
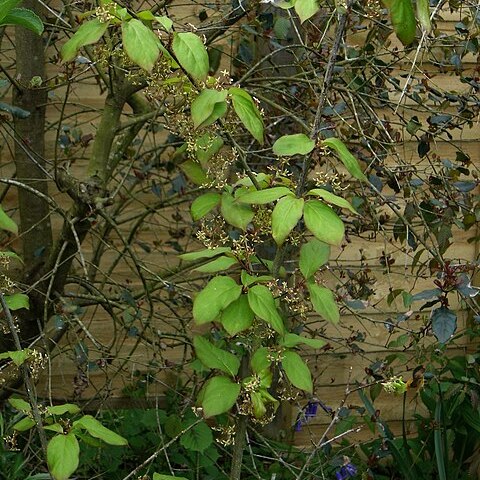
(347, 471)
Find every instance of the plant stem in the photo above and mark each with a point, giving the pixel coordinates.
(26, 376)
(239, 446)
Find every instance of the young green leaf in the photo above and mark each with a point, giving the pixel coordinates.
(248, 113)
(262, 303)
(403, 19)
(219, 264)
(330, 197)
(423, 14)
(63, 456)
(17, 301)
(207, 253)
(297, 371)
(292, 340)
(260, 360)
(207, 146)
(89, 32)
(197, 439)
(160, 476)
(6, 223)
(248, 279)
(208, 107)
(25, 18)
(54, 427)
(191, 54)
(261, 197)
(62, 409)
(323, 302)
(350, 162)
(11, 255)
(140, 43)
(286, 214)
(195, 172)
(306, 9)
(219, 396)
(214, 357)
(296, 144)
(24, 424)
(238, 316)
(20, 404)
(204, 204)
(313, 255)
(17, 356)
(97, 430)
(323, 222)
(234, 212)
(219, 292)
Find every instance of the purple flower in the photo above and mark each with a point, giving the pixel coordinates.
(347, 471)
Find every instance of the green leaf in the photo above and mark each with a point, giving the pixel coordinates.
(207, 253)
(350, 162)
(219, 396)
(195, 172)
(297, 371)
(296, 144)
(238, 316)
(306, 9)
(214, 357)
(313, 255)
(261, 197)
(332, 198)
(323, 222)
(25, 18)
(97, 430)
(159, 476)
(88, 33)
(62, 409)
(20, 404)
(286, 214)
(17, 356)
(234, 212)
(208, 107)
(24, 424)
(197, 439)
(403, 19)
(207, 146)
(323, 302)
(12, 255)
(260, 360)
(444, 323)
(63, 456)
(204, 204)
(248, 113)
(423, 14)
(261, 301)
(217, 265)
(140, 43)
(164, 21)
(248, 279)
(191, 54)
(292, 340)
(17, 301)
(6, 6)
(219, 292)
(54, 427)
(6, 223)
